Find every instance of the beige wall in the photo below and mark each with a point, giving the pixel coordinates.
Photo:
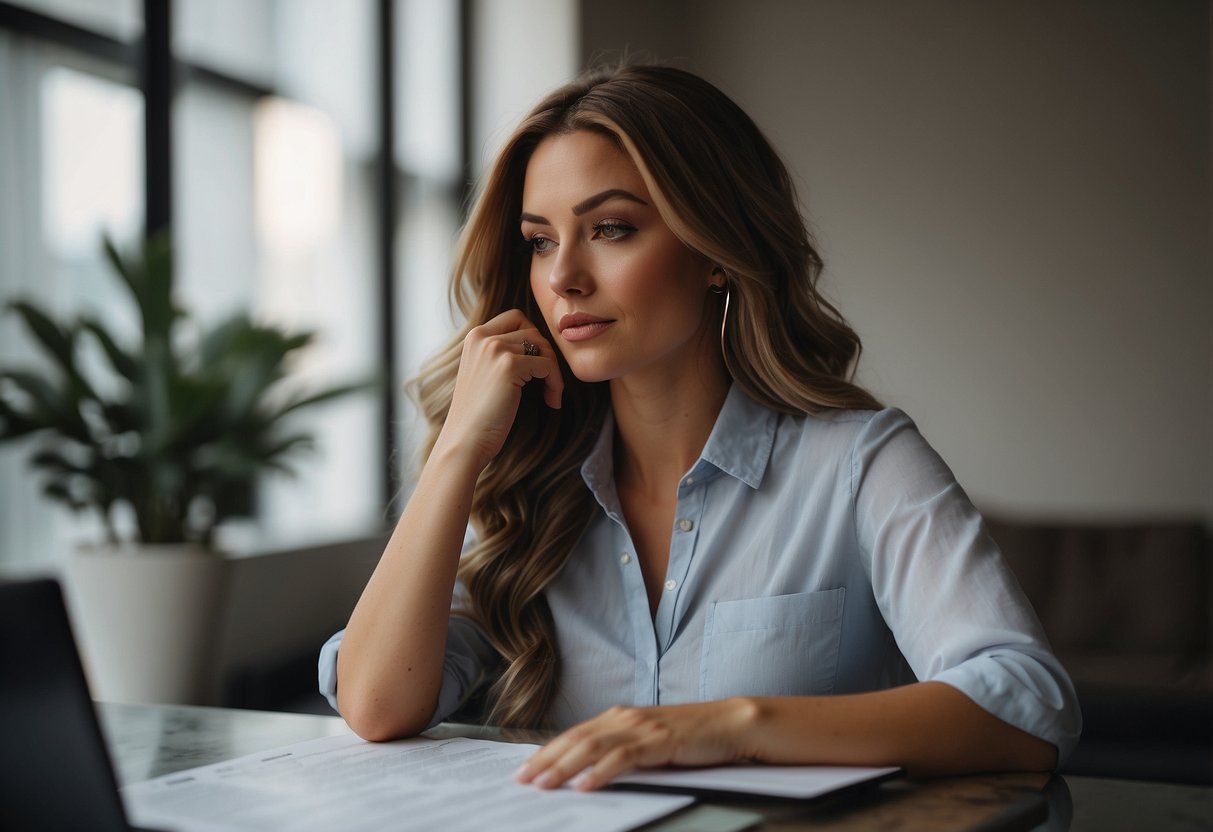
(1013, 201)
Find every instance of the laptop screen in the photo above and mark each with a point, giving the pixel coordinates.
(55, 773)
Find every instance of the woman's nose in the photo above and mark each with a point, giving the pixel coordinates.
(569, 275)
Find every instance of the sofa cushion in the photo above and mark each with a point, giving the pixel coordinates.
(1120, 602)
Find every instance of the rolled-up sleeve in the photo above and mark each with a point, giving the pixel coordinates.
(954, 607)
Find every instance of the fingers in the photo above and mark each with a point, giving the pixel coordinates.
(537, 362)
(545, 368)
(494, 367)
(530, 352)
(511, 320)
(619, 761)
(595, 752)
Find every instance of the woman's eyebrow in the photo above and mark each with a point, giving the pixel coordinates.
(586, 205)
(596, 200)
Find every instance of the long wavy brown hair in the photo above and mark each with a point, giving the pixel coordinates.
(723, 190)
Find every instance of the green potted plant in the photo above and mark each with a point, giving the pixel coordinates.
(174, 432)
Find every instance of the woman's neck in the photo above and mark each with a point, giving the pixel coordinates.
(661, 426)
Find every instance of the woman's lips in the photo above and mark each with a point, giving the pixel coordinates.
(581, 327)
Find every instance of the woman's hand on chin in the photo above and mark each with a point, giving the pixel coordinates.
(499, 358)
(623, 739)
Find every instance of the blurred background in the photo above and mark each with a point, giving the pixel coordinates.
(1013, 201)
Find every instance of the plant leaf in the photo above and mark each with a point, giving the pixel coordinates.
(157, 308)
(217, 343)
(155, 396)
(14, 425)
(56, 462)
(285, 446)
(132, 280)
(253, 361)
(123, 362)
(324, 396)
(59, 492)
(54, 409)
(150, 281)
(57, 342)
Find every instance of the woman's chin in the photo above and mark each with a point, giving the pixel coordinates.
(592, 372)
(591, 377)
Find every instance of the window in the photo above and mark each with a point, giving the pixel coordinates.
(276, 203)
(275, 169)
(71, 166)
(274, 212)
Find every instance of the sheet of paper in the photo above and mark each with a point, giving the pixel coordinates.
(348, 784)
(801, 782)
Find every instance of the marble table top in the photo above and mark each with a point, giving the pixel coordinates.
(147, 741)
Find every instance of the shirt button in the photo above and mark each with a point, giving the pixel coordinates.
(671, 585)
(686, 525)
(689, 481)
(625, 558)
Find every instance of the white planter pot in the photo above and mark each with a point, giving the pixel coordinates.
(148, 618)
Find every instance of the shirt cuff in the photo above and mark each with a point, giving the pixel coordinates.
(1023, 691)
(462, 667)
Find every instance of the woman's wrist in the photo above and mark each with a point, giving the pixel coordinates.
(456, 458)
(746, 716)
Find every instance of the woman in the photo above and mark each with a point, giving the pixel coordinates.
(692, 538)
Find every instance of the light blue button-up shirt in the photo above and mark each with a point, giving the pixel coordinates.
(809, 555)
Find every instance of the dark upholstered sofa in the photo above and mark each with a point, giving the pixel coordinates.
(1127, 609)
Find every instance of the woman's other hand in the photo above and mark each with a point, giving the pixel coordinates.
(623, 739)
(894, 727)
(499, 358)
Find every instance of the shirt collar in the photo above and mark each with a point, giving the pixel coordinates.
(740, 445)
(598, 470)
(741, 441)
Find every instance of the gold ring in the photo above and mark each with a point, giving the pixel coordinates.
(528, 348)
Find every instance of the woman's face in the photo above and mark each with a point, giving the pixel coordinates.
(620, 293)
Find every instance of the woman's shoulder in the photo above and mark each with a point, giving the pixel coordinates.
(847, 425)
(853, 438)
(830, 438)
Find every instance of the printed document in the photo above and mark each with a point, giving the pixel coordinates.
(347, 783)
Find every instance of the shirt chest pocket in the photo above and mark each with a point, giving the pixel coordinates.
(779, 646)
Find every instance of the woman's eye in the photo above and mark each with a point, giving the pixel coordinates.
(541, 244)
(613, 230)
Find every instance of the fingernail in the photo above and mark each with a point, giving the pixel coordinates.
(545, 780)
(522, 772)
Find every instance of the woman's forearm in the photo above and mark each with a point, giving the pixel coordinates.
(928, 728)
(389, 667)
